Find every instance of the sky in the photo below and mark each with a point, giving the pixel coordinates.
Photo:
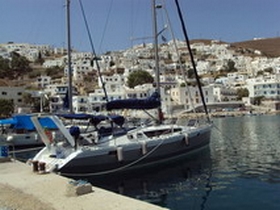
(120, 24)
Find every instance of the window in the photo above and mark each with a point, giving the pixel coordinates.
(139, 135)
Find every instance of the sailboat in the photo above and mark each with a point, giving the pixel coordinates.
(114, 148)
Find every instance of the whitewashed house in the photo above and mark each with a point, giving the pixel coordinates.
(189, 96)
(43, 81)
(268, 88)
(12, 93)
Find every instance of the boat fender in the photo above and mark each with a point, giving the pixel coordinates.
(120, 153)
(10, 138)
(36, 137)
(75, 131)
(187, 139)
(144, 148)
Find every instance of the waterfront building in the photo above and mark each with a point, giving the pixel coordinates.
(264, 87)
(189, 96)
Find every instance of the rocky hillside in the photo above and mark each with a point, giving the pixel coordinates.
(269, 47)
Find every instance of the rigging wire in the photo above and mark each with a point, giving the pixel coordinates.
(106, 24)
(93, 51)
(192, 58)
(178, 55)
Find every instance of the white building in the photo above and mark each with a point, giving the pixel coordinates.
(12, 93)
(81, 104)
(43, 81)
(53, 63)
(190, 96)
(268, 88)
(223, 93)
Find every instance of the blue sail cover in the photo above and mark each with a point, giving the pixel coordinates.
(151, 102)
(80, 116)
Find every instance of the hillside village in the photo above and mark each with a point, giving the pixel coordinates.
(225, 70)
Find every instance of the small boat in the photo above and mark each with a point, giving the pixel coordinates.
(115, 148)
(18, 132)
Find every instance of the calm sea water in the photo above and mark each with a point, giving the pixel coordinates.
(239, 170)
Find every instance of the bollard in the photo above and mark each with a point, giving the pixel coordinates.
(35, 165)
(42, 167)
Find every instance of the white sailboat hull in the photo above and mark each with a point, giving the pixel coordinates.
(125, 153)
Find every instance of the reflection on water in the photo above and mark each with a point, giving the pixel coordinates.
(239, 170)
(155, 185)
(249, 145)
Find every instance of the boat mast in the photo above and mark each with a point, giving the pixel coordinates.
(69, 91)
(155, 34)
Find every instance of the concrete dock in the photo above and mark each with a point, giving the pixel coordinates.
(22, 189)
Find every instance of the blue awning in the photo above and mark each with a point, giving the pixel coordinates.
(24, 122)
(8, 121)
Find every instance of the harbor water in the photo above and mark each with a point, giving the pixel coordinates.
(239, 170)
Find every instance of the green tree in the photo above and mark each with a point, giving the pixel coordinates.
(183, 84)
(259, 73)
(54, 72)
(268, 70)
(190, 73)
(229, 67)
(17, 66)
(40, 60)
(138, 78)
(27, 98)
(6, 107)
(258, 100)
(4, 67)
(19, 63)
(242, 92)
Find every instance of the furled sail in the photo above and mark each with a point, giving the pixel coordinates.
(151, 102)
